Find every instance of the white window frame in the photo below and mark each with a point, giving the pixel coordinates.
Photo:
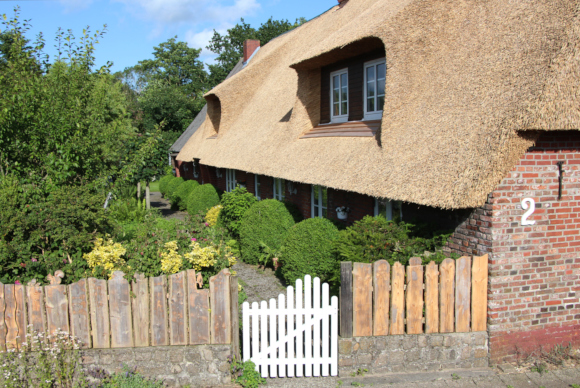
(389, 210)
(230, 179)
(257, 187)
(279, 192)
(316, 209)
(344, 117)
(377, 114)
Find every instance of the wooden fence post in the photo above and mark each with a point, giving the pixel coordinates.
(346, 299)
(362, 296)
(235, 317)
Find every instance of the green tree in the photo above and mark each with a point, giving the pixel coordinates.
(230, 46)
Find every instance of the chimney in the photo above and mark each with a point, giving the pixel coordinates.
(250, 46)
(341, 3)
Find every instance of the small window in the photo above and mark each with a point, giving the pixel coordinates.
(374, 94)
(230, 179)
(339, 96)
(319, 201)
(279, 189)
(257, 186)
(391, 210)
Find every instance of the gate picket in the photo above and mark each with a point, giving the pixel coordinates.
(270, 332)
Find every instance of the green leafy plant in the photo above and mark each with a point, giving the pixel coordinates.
(179, 196)
(455, 376)
(202, 198)
(245, 374)
(269, 255)
(172, 186)
(540, 367)
(127, 378)
(128, 210)
(235, 204)
(308, 250)
(164, 183)
(266, 222)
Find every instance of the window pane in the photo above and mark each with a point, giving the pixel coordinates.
(335, 82)
(381, 73)
(381, 87)
(336, 96)
(344, 94)
(324, 213)
(335, 111)
(380, 102)
(382, 207)
(370, 89)
(324, 197)
(315, 192)
(282, 188)
(344, 80)
(344, 108)
(370, 73)
(397, 211)
(371, 105)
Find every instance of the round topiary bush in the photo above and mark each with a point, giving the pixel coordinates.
(163, 182)
(235, 204)
(179, 197)
(172, 186)
(309, 250)
(264, 225)
(202, 198)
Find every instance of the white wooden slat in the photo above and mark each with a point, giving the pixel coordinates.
(246, 331)
(325, 331)
(263, 338)
(299, 337)
(308, 322)
(281, 333)
(290, 319)
(272, 338)
(255, 333)
(316, 314)
(334, 337)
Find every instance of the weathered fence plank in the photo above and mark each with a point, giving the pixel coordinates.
(56, 309)
(20, 314)
(345, 299)
(447, 296)
(10, 317)
(219, 286)
(198, 310)
(414, 296)
(479, 294)
(140, 310)
(397, 299)
(362, 293)
(177, 313)
(235, 317)
(462, 294)
(381, 292)
(158, 287)
(431, 298)
(99, 307)
(120, 311)
(79, 312)
(36, 308)
(2, 319)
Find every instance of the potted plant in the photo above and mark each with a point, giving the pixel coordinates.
(342, 212)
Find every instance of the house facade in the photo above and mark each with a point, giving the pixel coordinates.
(465, 115)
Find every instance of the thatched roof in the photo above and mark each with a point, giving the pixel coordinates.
(199, 118)
(464, 78)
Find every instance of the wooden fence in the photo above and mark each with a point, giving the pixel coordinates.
(377, 299)
(157, 311)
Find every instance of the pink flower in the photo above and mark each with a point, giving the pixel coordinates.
(17, 282)
(193, 239)
(206, 224)
(34, 259)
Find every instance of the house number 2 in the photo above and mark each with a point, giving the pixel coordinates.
(531, 204)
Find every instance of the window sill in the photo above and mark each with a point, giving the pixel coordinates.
(367, 128)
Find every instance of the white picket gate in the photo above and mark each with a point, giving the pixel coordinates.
(293, 340)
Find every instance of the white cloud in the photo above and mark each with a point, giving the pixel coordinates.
(191, 11)
(201, 40)
(75, 5)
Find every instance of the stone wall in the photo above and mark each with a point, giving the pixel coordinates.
(413, 353)
(198, 366)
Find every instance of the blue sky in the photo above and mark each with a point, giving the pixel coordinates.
(135, 26)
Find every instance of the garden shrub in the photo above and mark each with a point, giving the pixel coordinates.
(375, 238)
(235, 204)
(265, 223)
(172, 187)
(164, 182)
(202, 198)
(309, 250)
(212, 215)
(179, 196)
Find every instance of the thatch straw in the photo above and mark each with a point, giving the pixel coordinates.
(463, 77)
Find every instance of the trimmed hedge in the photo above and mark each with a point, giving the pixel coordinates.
(202, 198)
(163, 182)
(172, 186)
(235, 204)
(309, 250)
(179, 197)
(266, 222)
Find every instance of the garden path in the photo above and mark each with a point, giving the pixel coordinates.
(258, 284)
(158, 202)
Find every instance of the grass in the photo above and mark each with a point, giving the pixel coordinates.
(153, 186)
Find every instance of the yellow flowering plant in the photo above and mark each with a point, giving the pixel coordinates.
(171, 261)
(212, 215)
(106, 257)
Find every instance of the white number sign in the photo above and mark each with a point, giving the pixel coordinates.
(531, 204)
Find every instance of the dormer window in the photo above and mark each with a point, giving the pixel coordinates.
(339, 96)
(374, 92)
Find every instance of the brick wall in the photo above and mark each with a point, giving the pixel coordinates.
(534, 270)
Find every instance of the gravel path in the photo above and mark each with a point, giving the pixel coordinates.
(158, 202)
(258, 284)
